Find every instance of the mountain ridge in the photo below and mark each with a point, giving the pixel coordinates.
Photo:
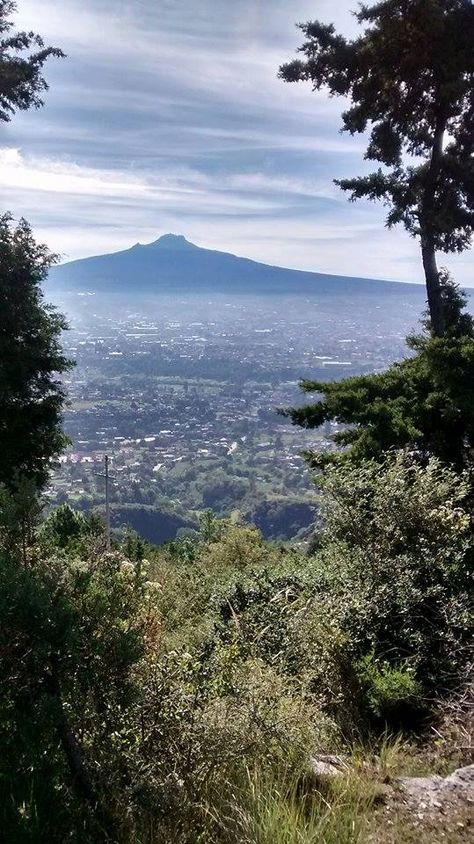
(172, 263)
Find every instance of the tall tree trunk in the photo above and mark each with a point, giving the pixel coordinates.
(427, 225)
(433, 288)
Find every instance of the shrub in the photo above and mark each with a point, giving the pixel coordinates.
(205, 718)
(393, 694)
(71, 530)
(191, 572)
(282, 621)
(396, 568)
(377, 624)
(72, 633)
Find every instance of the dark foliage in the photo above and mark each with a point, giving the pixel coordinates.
(31, 359)
(22, 56)
(425, 402)
(410, 79)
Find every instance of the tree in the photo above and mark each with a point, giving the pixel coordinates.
(425, 402)
(71, 530)
(31, 359)
(21, 80)
(409, 78)
(31, 397)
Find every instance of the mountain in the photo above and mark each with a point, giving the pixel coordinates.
(173, 264)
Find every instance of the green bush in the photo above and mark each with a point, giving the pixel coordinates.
(393, 694)
(281, 620)
(396, 568)
(190, 573)
(388, 588)
(205, 717)
(221, 658)
(71, 530)
(71, 636)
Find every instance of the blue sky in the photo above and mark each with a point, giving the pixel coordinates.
(168, 115)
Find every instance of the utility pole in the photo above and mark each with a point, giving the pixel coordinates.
(107, 500)
(107, 503)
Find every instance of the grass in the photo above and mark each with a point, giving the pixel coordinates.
(284, 807)
(390, 756)
(280, 815)
(265, 805)
(271, 807)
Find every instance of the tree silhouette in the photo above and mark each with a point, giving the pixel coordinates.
(22, 56)
(31, 359)
(409, 78)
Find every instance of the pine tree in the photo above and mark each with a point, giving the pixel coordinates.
(22, 56)
(409, 78)
(424, 403)
(31, 359)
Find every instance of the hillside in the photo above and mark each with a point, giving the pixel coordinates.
(172, 264)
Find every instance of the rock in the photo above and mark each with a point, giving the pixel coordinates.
(433, 792)
(421, 790)
(328, 766)
(462, 778)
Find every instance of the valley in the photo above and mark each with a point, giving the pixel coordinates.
(182, 393)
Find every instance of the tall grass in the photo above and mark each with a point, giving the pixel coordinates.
(270, 807)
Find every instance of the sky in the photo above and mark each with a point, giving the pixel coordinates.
(168, 116)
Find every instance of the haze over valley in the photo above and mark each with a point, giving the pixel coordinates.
(183, 357)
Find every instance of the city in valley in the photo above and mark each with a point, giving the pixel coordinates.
(182, 394)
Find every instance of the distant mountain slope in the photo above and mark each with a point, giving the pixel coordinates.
(173, 264)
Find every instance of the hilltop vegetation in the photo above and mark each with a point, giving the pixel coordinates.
(177, 693)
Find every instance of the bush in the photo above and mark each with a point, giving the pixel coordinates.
(376, 625)
(71, 530)
(181, 681)
(205, 718)
(395, 566)
(393, 694)
(72, 633)
(281, 620)
(191, 572)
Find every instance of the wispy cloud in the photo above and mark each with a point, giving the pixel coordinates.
(34, 182)
(47, 176)
(168, 115)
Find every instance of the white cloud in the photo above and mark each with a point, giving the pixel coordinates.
(168, 115)
(247, 192)
(81, 211)
(237, 62)
(44, 175)
(287, 185)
